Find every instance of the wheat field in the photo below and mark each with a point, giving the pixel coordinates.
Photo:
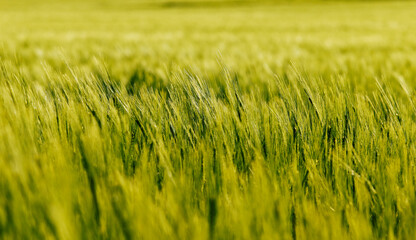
(207, 120)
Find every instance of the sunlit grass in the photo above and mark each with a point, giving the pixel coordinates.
(269, 121)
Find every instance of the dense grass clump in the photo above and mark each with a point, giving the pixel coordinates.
(287, 121)
(83, 154)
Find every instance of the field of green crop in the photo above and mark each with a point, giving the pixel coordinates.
(207, 120)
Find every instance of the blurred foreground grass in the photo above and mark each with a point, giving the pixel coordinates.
(271, 121)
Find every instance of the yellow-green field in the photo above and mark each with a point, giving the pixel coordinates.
(207, 120)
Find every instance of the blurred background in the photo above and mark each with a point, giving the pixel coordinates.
(327, 38)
